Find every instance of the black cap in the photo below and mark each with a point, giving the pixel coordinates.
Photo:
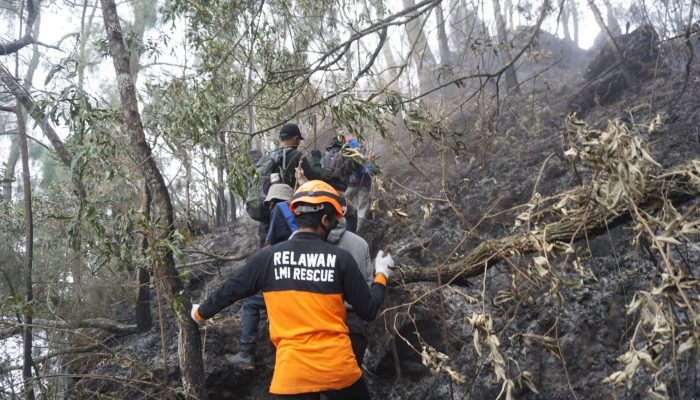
(289, 131)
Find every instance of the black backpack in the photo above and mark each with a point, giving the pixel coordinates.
(332, 164)
(271, 162)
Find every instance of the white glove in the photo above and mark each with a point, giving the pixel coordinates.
(194, 314)
(382, 264)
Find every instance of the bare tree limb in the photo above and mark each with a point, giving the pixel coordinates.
(28, 38)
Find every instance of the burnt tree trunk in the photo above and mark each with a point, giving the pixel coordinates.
(574, 20)
(189, 341)
(565, 20)
(445, 55)
(221, 203)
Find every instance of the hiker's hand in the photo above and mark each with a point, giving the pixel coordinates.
(299, 174)
(383, 263)
(196, 317)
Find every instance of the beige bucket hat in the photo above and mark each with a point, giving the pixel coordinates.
(279, 191)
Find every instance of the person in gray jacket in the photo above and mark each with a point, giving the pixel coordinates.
(359, 249)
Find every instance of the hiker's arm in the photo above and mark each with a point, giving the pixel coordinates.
(368, 271)
(365, 301)
(311, 166)
(299, 175)
(244, 284)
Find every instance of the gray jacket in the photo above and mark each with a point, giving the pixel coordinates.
(356, 246)
(359, 250)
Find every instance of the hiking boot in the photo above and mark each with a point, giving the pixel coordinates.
(242, 360)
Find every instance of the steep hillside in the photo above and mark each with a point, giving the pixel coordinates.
(553, 333)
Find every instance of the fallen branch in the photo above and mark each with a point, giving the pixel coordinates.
(104, 324)
(592, 217)
(213, 258)
(218, 257)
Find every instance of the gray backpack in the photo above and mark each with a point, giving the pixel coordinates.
(332, 164)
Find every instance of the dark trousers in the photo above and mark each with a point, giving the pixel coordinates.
(263, 227)
(356, 391)
(252, 306)
(358, 335)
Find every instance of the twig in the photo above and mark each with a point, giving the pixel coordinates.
(49, 46)
(163, 342)
(561, 357)
(416, 193)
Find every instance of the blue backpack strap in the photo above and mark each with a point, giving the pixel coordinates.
(284, 207)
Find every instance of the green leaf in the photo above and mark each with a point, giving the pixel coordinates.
(54, 69)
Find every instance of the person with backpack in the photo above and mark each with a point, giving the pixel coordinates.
(277, 199)
(359, 184)
(336, 168)
(281, 228)
(278, 166)
(305, 282)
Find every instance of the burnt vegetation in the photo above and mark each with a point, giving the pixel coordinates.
(540, 199)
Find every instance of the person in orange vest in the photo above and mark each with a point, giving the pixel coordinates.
(305, 282)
